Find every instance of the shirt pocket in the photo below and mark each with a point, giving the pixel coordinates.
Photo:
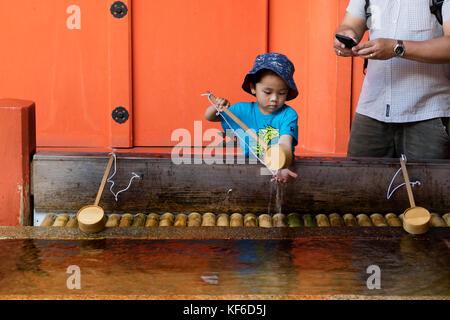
(419, 17)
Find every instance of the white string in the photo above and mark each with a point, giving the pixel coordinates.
(389, 195)
(112, 182)
(235, 132)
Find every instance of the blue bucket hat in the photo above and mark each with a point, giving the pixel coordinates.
(279, 64)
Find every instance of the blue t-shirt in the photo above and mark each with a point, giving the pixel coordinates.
(268, 127)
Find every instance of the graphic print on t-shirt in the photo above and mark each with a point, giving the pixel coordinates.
(266, 135)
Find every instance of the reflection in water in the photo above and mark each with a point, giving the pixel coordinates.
(263, 267)
(324, 265)
(92, 246)
(29, 259)
(417, 265)
(211, 277)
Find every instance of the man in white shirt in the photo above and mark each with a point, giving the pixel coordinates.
(404, 107)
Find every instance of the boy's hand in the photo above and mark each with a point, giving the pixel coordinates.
(222, 104)
(282, 175)
(211, 112)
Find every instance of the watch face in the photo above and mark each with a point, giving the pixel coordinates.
(399, 50)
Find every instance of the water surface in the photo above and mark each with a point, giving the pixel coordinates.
(333, 266)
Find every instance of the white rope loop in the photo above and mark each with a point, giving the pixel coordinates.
(389, 194)
(235, 132)
(134, 176)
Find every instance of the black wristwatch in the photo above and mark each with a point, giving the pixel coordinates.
(399, 49)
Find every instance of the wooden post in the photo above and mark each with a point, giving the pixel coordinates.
(18, 144)
(120, 63)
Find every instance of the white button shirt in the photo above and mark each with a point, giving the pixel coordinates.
(401, 90)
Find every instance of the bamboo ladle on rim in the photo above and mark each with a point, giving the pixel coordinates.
(276, 157)
(92, 218)
(415, 219)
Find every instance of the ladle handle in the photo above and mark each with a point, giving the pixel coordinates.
(408, 184)
(105, 176)
(240, 123)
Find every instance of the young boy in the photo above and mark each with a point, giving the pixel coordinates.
(271, 82)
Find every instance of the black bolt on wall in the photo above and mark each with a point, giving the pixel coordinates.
(119, 9)
(120, 115)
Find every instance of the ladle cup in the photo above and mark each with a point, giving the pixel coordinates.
(415, 219)
(276, 157)
(92, 218)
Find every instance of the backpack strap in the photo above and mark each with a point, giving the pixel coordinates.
(366, 10)
(368, 15)
(436, 9)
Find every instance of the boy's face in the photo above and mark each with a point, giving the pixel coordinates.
(271, 93)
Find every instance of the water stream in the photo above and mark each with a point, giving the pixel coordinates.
(277, 191)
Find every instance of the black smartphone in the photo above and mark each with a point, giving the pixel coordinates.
(349, 42)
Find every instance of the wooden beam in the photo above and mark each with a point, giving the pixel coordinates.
(65, 181)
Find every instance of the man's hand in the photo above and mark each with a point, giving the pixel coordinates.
(283, 175)
(340, 48)
(378, 49)
(352, 26)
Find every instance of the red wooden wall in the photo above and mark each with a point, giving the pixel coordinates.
(78, 62)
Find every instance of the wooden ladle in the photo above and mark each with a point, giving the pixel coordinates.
(415, 219)
(278, 156)
(92, 218)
